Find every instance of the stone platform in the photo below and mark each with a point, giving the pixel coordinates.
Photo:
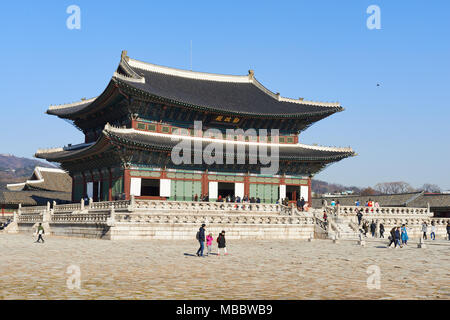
(255, 269)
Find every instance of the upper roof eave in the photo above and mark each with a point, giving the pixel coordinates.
(130, 75)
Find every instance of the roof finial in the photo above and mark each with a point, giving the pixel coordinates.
(124, 55)
(301, 98)
(251, 74)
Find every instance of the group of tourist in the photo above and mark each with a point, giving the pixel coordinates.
(398, 237)
(229, 198)
(369, 203)
(221, 242)
(432, 230)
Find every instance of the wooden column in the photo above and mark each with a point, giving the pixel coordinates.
(110, 185)
(309, 193)
(101, 186)
(205, 185)
(126, 183)
(246, 185)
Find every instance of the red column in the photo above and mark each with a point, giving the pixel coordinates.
(110, 185)
(126, 183)
(246, 185)
(205, 185)
(309, 193)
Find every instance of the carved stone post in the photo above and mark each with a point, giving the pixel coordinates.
(90, 203)
(111, 221)
(82, 204)
(132, 201)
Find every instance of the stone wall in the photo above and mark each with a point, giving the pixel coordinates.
(154, 219)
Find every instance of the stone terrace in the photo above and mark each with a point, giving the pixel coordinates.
(256, 269)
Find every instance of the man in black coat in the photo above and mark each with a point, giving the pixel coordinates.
(302, 204)
(393, 238)
(373, 228)
(381, 230)
(359, 215)
(201, 240)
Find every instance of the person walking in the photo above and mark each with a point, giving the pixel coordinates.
(404, 235)
(209, 240)
(397, 236)
(359, 215)
(325, 216)
(221, 243)
(448, 230)
(201, 240)
(40, 232)
(373, 228)
(366, 228)
(392, 238)
(433, 231)
(381, 230)
(424, 230)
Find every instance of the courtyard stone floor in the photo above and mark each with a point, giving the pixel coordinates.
(255, 269)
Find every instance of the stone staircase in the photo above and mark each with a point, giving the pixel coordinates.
(337, 227)
(344, 231)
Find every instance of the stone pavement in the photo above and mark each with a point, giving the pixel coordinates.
(256, 269)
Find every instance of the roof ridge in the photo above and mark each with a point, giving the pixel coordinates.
(73, 104)
(187, 73)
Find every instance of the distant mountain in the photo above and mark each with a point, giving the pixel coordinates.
(322, 187)
(14, 169)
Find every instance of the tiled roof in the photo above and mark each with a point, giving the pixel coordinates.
(224, 93)
(33, 198)
(46, 179)
(150, 140)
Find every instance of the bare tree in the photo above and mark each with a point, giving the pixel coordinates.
(368, 192)
(393, 187)
(433, 188)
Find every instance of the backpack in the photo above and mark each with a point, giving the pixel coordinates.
(197, 236)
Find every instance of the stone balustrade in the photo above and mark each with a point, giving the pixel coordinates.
(379, 211)
(107, 205)
(210, 218)
(32, 210)
(66, 207)
(192, 206)
(97, 218)
(30, 218)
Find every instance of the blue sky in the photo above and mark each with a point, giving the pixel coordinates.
(319, 50)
